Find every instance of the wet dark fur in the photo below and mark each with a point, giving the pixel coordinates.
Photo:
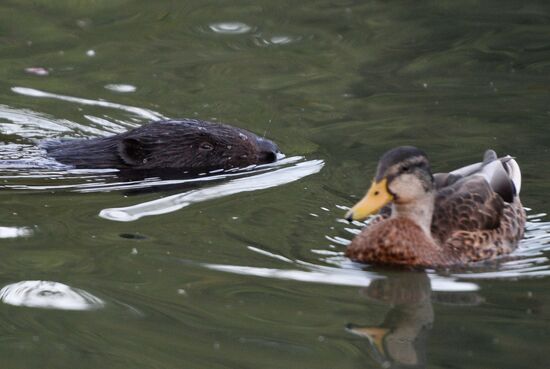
(186, 145)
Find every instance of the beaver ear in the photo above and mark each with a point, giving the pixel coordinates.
(132, 151)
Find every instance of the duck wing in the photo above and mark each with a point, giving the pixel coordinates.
(468, 205)
(473, 198)
(503, 175)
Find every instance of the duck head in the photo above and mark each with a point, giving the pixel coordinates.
(403, 176)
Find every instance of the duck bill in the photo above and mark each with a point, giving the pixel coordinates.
(374, 334)
(377, 196)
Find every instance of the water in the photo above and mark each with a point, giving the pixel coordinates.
(246, 269)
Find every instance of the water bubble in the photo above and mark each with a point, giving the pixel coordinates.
(231, 28)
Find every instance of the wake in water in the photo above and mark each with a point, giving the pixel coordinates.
(26, 168)
(527, 261)
(28, 128)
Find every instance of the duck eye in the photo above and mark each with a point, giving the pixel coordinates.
(405, 169)
(206, 146)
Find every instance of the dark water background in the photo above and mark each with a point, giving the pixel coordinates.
(257, 279)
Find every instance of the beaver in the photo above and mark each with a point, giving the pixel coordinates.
(183, 145)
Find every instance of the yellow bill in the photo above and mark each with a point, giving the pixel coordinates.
(374, 334)
(377, 196)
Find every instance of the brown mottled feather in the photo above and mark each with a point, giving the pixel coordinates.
(483, 243)
(396, 241)
(455, 238)
(468, 205)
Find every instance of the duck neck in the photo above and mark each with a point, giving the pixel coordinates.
(420, 211)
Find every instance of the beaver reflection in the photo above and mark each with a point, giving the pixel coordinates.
(183, 145)
(400, 341)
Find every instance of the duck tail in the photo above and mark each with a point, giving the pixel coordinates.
(503, 175)
(489, 156)
(512, 168)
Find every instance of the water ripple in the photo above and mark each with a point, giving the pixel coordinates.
(352, 277)
(140, 112)
(275, 40)
(120, 87)
(37, 126)
(49, 295)
(14, 232)
(28, 124)
(230, 28)
(526, 262)
(246, 184)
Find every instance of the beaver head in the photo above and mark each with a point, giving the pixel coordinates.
(194, 144)
(189, 145)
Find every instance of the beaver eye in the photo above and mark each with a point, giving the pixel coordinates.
(206, 146)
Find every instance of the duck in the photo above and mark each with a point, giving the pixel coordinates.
(430, 220)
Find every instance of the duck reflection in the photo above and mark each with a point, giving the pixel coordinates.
(400, 340)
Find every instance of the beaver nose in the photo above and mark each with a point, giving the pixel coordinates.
(269, 152)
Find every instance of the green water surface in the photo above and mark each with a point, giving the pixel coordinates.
(340, 81)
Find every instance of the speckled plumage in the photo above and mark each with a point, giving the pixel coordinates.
(470, 222)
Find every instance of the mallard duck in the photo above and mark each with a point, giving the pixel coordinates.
(468, 215)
